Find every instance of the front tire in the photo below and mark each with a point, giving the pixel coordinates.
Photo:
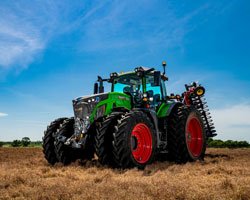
(134, 143)
(186, 135)
(104, 138)
(67, 154)
(49, 139)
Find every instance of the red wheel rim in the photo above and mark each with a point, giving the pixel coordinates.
(141, 143)
(194, 136)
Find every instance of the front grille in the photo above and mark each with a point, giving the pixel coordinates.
(84, 106)
(83, 109)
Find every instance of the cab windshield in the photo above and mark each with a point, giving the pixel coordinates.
(129, 83)
(132, 84)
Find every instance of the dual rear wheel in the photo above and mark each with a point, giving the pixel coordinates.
(185, 135)
(126, 140)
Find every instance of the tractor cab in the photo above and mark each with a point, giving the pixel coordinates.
(145, 87)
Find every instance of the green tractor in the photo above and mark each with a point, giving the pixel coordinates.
(134, 124)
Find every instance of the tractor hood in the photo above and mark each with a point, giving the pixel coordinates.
(84, 106)
(91, 108)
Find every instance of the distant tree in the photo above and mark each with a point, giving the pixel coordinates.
(16, 143)
(25, 141)
(1, 144)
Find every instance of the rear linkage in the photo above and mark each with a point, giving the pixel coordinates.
(193, 96)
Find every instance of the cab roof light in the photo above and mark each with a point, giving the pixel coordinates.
(113, 75)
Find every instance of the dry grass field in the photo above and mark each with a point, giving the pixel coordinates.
(25, 174)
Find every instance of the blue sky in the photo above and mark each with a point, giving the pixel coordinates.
(51, 52)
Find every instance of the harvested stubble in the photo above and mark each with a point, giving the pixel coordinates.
(25, 174)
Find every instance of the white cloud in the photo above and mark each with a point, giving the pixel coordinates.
(233, 122)
(18, 47)
(3, 114)
(27, 28)
(21, 36)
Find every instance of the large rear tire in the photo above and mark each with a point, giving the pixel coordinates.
(104, 138)
(186, 135)
(134, 143)
(66, 154)
(49, 139)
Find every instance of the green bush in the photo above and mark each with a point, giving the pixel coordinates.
(1, 144)
(36, 144)
(16, 143)
(243, 144)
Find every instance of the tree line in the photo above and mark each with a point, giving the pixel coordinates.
(227, 144)
(26, 142)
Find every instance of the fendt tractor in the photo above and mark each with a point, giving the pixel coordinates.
(134, 124)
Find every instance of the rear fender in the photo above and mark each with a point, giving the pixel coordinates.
(166, 109)
(172, 107)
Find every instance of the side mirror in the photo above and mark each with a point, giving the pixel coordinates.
(157, 78)
(96, 88)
